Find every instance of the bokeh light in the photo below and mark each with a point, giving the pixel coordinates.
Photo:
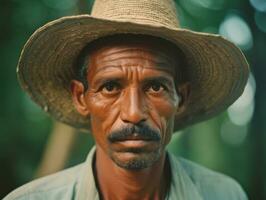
(260, 19)
(259, 5)
(194, 9)
(209, 4)
(235, 29)
(234, 129)
(233, 134)
(241, 112)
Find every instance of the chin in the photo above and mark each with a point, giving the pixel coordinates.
(135, 160)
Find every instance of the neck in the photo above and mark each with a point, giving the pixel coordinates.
(117, 183)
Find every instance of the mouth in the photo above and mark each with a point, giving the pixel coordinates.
(134, 140)
(135, 143)
(134, 137)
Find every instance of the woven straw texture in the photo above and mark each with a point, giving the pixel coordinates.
(217, 69)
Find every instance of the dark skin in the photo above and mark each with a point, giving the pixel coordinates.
(131, 85)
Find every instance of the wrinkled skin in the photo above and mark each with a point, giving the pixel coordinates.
(131, 85)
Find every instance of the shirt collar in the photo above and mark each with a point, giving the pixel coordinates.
(87, 189)
(182, 187)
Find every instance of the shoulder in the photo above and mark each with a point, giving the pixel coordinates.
(211, 184)
(60, 185)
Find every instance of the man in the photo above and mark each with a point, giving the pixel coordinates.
(132, 77)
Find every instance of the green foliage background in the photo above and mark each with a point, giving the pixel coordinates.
(24, 128)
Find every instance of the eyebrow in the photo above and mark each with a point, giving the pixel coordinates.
(106, 67)
(102, 81)
(166, 57)
(161, 79)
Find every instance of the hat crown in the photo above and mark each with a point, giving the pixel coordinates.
(153, 12)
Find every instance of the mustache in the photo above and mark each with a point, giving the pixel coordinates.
(137, 132)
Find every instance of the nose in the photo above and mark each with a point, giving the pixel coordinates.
(133, 107)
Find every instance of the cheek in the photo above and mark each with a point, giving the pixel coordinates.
(163, 114)
(165, 108)
(102, 112)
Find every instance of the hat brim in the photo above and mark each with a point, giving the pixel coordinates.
(217, 69)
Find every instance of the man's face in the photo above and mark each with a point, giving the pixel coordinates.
(132, 101)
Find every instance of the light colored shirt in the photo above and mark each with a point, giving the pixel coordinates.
(189, 182)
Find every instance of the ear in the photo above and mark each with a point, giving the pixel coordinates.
(78, 97)
(183, 92)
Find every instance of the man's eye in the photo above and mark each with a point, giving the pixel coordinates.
(156, 88)
(110, 87)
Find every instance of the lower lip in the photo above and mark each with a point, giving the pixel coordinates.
(135, 143)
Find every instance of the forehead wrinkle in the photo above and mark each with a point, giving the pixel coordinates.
(160, 65)
(107, 67)
(138, 57)
(125, 67)
(120, 57)
(156, 54)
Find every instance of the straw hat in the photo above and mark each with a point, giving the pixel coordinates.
(217, 69)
